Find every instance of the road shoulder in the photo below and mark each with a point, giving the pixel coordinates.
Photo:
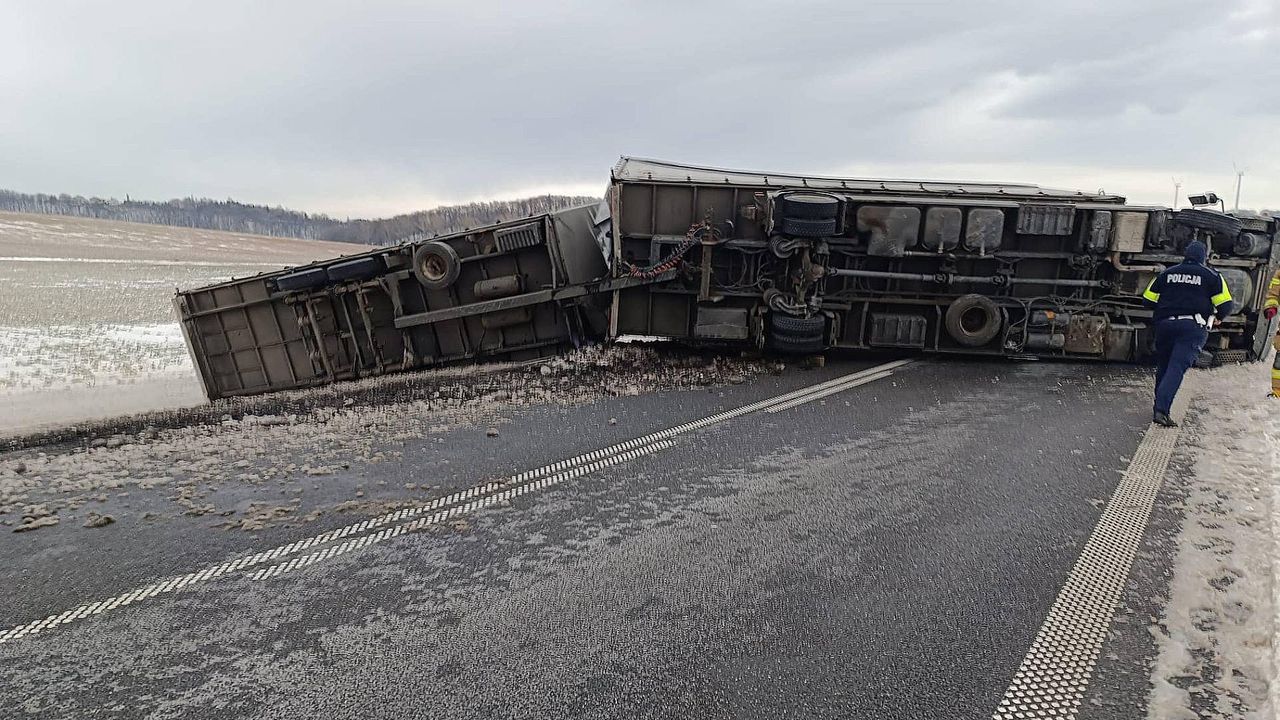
(1194, 634)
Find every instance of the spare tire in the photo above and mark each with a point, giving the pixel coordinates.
(973, 320)
(796, 346)
(809, 206)
(779, 324)
(808, 228)
(1211, 221)
(791, 334)
(436, 265)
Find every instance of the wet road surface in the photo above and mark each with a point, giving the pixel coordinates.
(884, 547)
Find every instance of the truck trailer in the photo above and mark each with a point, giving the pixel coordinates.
(787, 264)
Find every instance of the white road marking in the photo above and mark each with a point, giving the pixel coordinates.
(1053, 676)
(450, 506)
(367, 540)
(829, 391)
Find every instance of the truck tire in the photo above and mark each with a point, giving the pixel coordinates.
(808, 228)
(796, 346)
(780, 324)
(1206, 220)
(790, 334)
(357, 269)
(436, 265)
(973, 320)
(302, 280)
(808, 206)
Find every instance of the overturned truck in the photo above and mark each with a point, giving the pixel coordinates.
(783, 263)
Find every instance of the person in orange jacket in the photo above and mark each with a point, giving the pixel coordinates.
(1269, 310)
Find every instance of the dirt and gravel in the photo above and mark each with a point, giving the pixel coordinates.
(279, 448)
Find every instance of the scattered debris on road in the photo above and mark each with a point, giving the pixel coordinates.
(324, 434)
(96, 520)
(36, 516)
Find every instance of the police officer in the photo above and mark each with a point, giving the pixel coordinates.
(1186, 298)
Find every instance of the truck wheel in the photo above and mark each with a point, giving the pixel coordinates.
(357, 269)
(795, 334)
(973, 320)
(780, 324)
(436, 265)
(808, 228)
(302, 280)
(808, 206)
(1211, 221)
(797, 345)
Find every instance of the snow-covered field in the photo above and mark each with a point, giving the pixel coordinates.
(86, 316)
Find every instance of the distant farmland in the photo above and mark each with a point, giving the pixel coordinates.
(86, 320)
(233, 216)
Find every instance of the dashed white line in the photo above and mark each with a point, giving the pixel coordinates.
(451, 505)
(828, 391)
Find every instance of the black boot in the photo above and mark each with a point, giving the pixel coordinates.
(1162, 418)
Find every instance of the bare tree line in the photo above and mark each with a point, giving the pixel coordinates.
(234, 216)
(450, 218)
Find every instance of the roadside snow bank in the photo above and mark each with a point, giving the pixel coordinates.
(1216, 642)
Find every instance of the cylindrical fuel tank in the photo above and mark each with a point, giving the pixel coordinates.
(1045, 341)
(1240, 285)
(1251, 245)
(1048, 317)
(502, 286)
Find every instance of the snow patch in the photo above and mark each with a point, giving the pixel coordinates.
(1216, 642)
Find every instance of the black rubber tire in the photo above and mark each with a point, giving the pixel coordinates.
(302, 280)
(790, 334)
(357, 269)
(959, 317)
(808, 228)
(1211, 221)
(797, 346)
(808, 206)
(436, 265)
(796, 327)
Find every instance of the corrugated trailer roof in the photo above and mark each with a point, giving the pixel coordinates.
(630, 169)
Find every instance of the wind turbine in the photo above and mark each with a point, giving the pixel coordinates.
(1239, 182)
(1177, 190)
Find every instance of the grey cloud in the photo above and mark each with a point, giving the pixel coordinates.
(327, 106)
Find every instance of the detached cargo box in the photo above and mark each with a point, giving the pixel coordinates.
(510, 291)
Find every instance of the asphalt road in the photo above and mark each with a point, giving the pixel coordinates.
(889, 550)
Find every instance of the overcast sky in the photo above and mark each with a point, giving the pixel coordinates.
(376, 107)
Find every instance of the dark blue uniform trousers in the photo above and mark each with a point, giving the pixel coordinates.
(1178, 344)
